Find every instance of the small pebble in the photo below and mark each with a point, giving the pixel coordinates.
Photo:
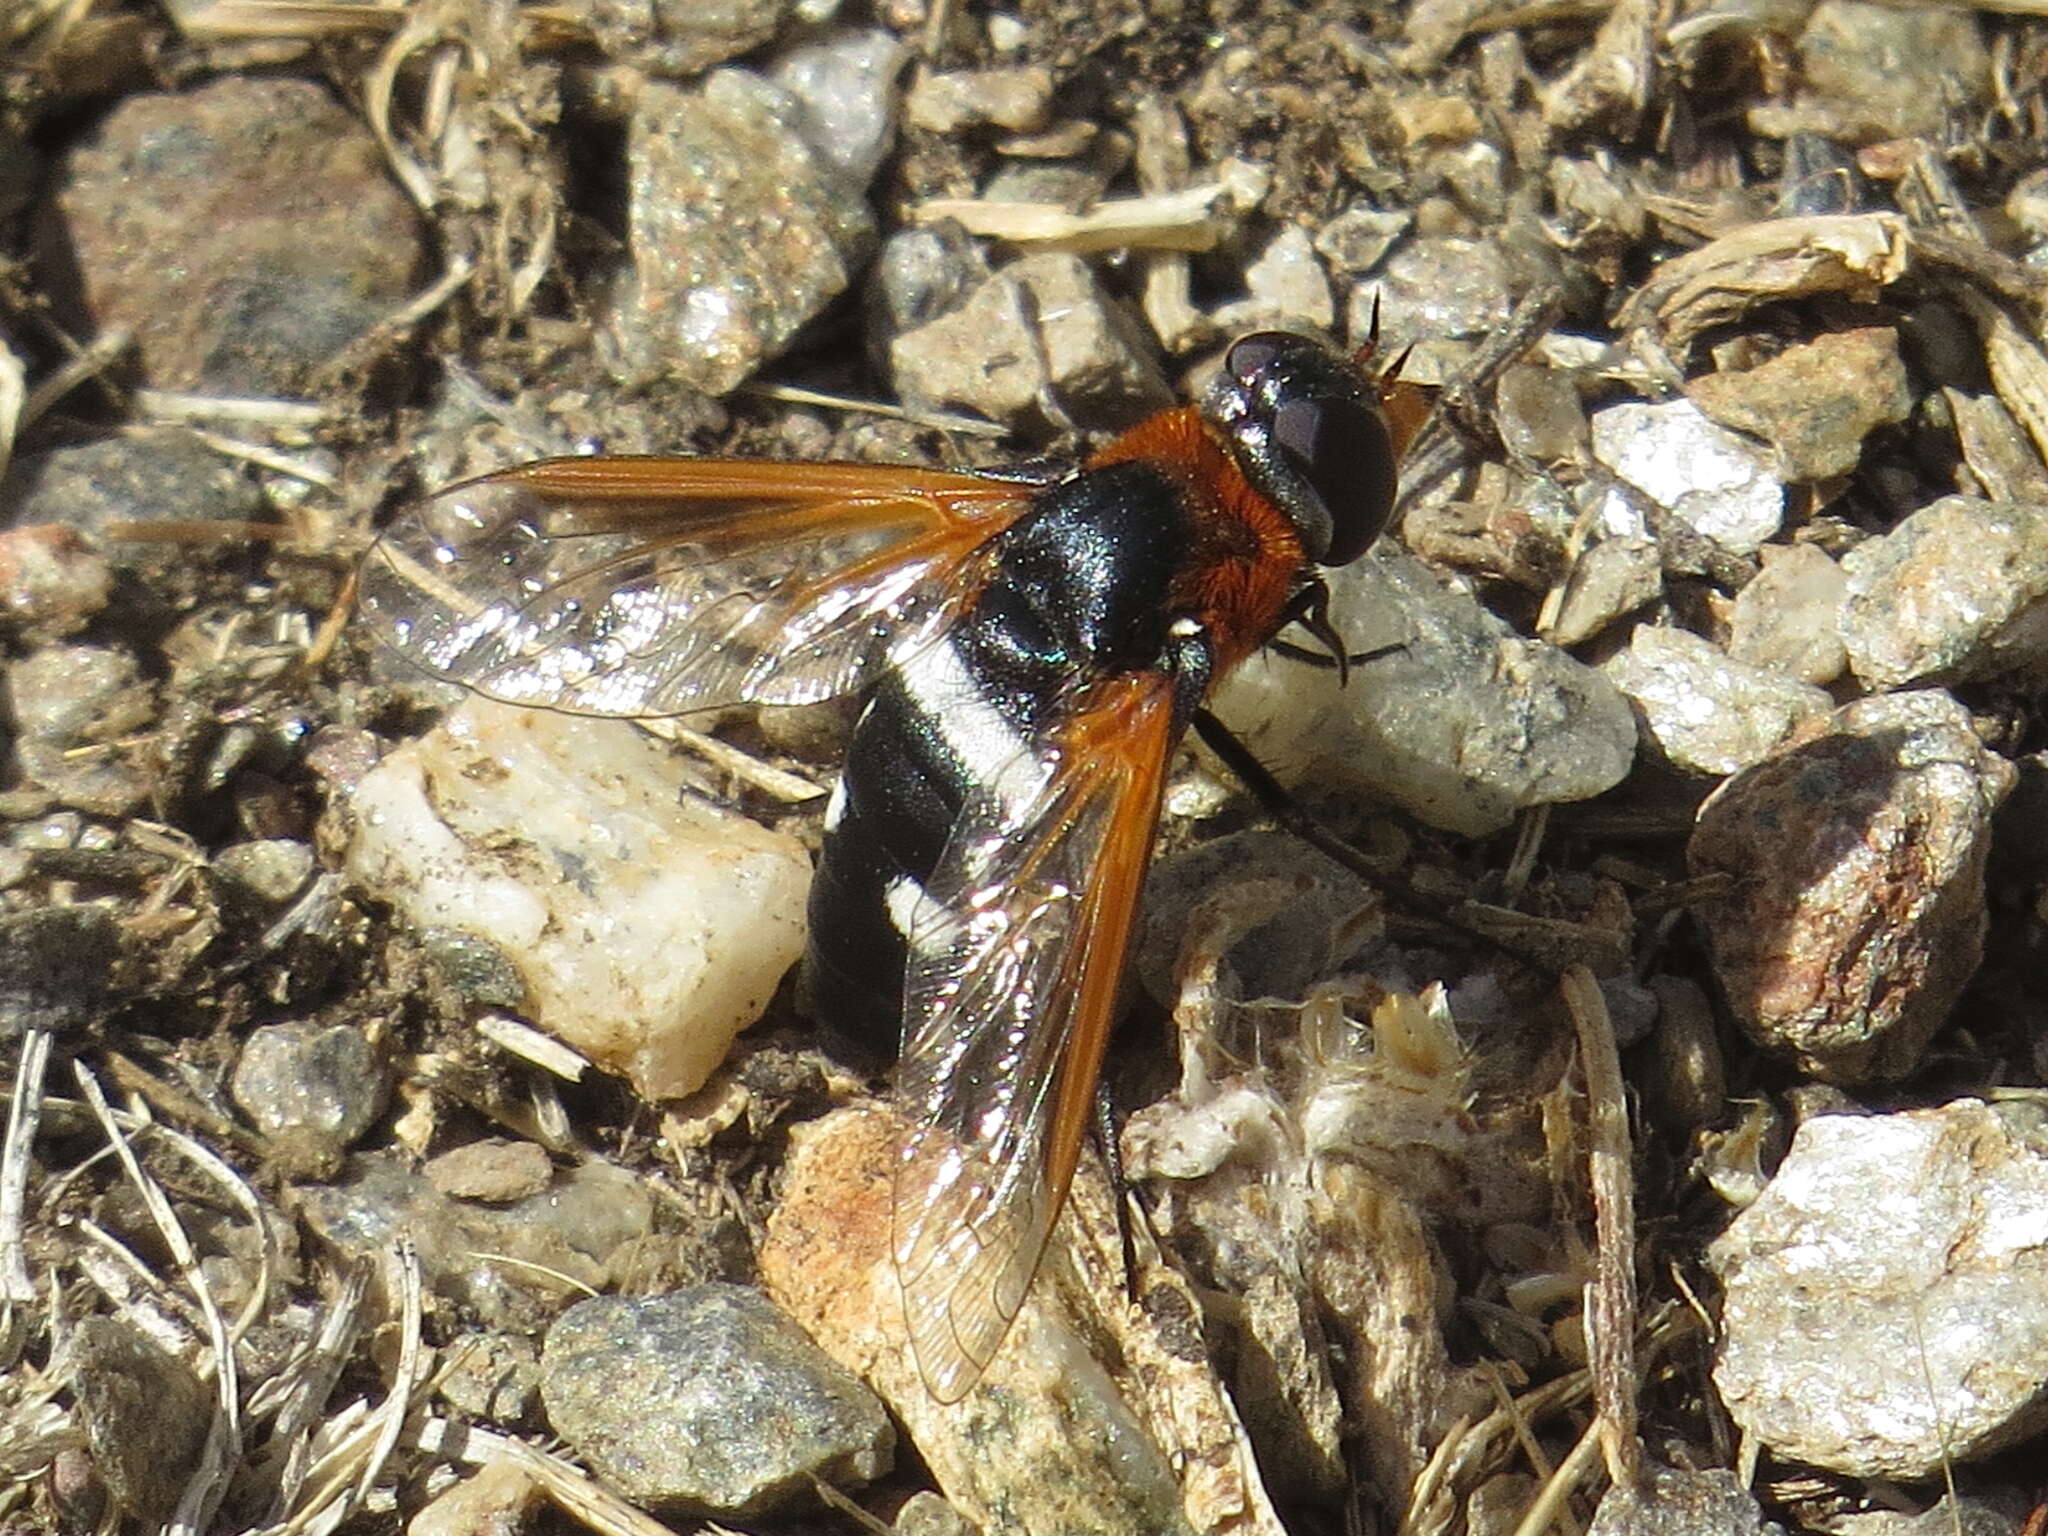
(1541, 416)
(1358, 239)
(1018, 99)
(1788, 619)
(992, 354)
(709, 1401)
(844, 84)
(1703, 710)
(924, 272)
(682, 38)
(1436, 293)
(648, 926)
(1814, 403)
(52, 582)
(2027, 203)
(1959, 589)
(158, 473)
(1286, 288)
(493, 1170)
(273, 870)
(73, 707)
(1677, 1502)
(1857, 852)
(1950, 1515)
(499, 1262)
(245, 232)
(498, 1499)
(1477, 173)
(741, 229)
(145, 1414)
(322, 1085)
(1868, 72)
(496, 1380)
(1720, 484)
(1422, 118)
(1886, 1299)
(925, 1513)
(1609, 581)
(56, 968)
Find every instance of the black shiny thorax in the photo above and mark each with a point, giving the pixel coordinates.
(1080, 585)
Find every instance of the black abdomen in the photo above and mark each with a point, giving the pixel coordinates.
(1079, 592)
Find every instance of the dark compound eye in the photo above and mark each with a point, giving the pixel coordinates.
(1249, 354)
(1310, 435)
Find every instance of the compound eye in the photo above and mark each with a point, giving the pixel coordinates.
(1344, 456)
(1249, 355)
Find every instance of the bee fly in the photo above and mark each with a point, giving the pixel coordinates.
(1031, 652)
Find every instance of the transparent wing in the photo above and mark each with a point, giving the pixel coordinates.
(649, 586)
(1016, 953)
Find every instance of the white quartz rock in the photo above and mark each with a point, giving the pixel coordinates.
(648, 926)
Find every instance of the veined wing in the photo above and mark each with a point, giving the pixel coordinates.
(1017, 949)
(657, 586)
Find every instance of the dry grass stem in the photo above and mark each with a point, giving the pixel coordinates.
(24, 1119)
(1611, 1298)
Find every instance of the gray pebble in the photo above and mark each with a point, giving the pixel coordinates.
(166, 474)
(317, 1082)
(479, 972)
(571, 1229)
(927, 1514)
(1541, 416)
(272, 869)
(1464, 725)
(1675, 1502)
(1358, 239)
(1956, 590)
(710, 1401)
(1788, 618)
(1038, 335)
(1886, 1299)
(682, 38)
(1703, 710)
(496, 1380)
(145, 1415)
(844, 84)
(1609, 581)
(924, 272)
(56, 968)
(72, 707)
(1437, 292)
(1950, 1515)
(291, 238)
(1724, 486)
(741, 231)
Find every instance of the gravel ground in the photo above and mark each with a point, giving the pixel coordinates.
(1642, 1124)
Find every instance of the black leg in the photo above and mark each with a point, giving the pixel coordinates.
(1120, 1187)
(1272, 795)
